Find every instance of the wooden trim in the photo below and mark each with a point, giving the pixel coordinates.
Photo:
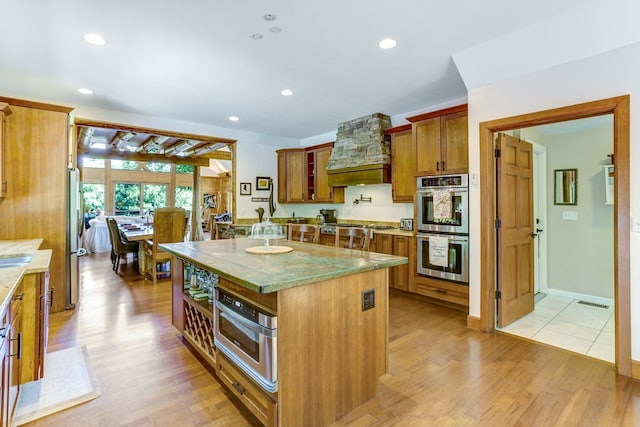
(635, 369)
(319, 146)
(619, 107)
(430, 115)
(140, 157)
(37, 105)
(398, 129)
(138, 129)
(473, 323)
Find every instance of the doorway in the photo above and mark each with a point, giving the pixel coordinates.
(619, 107)
(575, 310)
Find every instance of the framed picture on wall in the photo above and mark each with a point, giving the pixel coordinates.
(262, 183)
(245, 188)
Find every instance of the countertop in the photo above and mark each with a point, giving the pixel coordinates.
(11, 277)
(307, 263)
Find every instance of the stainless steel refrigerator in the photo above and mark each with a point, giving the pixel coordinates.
(74, 231)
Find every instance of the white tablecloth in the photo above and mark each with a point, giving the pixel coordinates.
(96, 238)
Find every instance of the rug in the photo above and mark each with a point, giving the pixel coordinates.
(68, 381)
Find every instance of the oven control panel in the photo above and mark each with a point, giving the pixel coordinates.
(240, 306)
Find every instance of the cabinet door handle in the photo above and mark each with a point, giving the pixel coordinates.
(51, 293)
(441, 291)
(19, 339)
(443, 166)
(437, 166)
(4, 331)
(20, 296)
(239, 388)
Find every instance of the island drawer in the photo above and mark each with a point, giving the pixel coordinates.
(442, 290)
(249, 393)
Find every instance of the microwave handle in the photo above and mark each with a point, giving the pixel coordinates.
(252, 326)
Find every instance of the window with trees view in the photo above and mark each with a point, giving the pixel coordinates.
(184, 197)
(135, 199)
(93, 195)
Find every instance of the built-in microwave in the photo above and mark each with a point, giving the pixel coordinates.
(442, 204)
(443, 256)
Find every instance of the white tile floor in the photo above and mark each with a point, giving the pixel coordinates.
(563, 322)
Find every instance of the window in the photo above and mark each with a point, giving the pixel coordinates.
(159, 167)
(154, 196)
(127, 165)
(89, 162)
(93, 195)
(184, 196)
(184, 168)
(127, 199)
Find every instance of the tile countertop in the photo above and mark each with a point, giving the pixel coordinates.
(10, 277)
(307, 263)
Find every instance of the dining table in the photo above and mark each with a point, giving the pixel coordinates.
(138, 234)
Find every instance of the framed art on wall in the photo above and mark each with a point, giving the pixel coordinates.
(262, 183)
(245, 188)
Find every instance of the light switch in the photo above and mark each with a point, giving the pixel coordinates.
(635, 224)
(570, 215)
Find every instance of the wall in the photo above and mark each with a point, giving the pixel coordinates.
(611, 74)
(580, 256)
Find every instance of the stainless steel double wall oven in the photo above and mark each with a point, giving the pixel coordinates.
(442, 206)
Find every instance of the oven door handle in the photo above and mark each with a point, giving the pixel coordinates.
(252, 326)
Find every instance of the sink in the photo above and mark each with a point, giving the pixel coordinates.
(16, 261)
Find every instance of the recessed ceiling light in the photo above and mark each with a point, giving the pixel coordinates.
(257, 36)
(270, 17)
(234, 118)
(286, 92)
(275, 29)
(387, 43)
(85, 91)
(95, 39)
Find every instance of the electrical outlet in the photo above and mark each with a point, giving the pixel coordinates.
(368, 299)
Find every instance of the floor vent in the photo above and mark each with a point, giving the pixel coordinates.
(593, 304)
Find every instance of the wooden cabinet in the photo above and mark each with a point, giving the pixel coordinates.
(11, 352)
(444, 290)
(37, 155)
(302, 176)
(250, 394)
(35, 325)
(318, 189)
(441, 141)
(395, 245)
(291, 174)
(403, 180)
(4, 112)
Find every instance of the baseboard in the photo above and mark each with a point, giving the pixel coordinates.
(581, 297)
(473, 323)
(635, 369)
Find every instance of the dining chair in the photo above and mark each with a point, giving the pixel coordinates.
(303, 233)
(119, 246)
(168, 227)
(359, 238)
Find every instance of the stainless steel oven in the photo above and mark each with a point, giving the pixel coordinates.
(248, 336)
(442, 204)
(446, 258)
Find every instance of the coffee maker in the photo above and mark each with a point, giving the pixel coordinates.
(328, 215)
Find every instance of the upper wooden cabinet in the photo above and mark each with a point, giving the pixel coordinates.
(403, 182)
(291, 169)
(302, 176)
(441, 142)
(4, 111)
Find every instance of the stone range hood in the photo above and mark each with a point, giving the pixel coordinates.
(361, 153)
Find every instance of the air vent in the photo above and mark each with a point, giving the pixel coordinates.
(593, 304)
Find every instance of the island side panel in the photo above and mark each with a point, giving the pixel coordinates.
(331, 354)
(177, 304)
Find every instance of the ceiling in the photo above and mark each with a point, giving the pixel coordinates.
(196, 61)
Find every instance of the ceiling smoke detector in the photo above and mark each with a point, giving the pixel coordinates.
(257, 36)
(270, 17)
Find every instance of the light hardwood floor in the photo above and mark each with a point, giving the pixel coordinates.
(440, 373)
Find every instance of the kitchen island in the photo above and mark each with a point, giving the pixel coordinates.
(331, 347)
